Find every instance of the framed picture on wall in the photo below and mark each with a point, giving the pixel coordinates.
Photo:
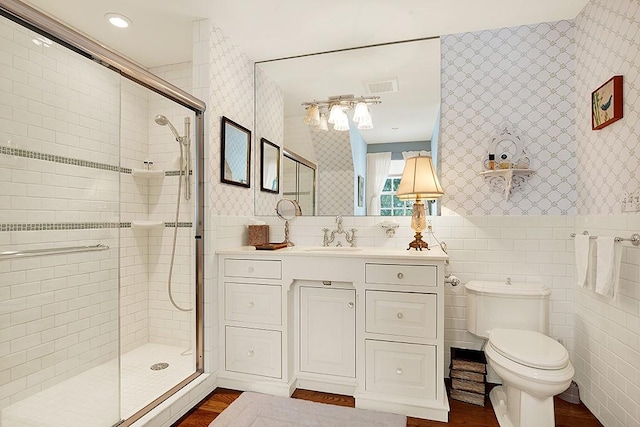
(236, 153)
(360, 191)
(606, 103)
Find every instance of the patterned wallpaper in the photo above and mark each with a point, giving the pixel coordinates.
(521, 78)
(608, 158)
(270, 125)
(229, 80)
(335, 170)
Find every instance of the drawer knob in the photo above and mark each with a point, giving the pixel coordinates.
(250, 269)
(250, 353)
(250, 304)
(399, 371)
(400, 275)
(350, 305)
(400, 315)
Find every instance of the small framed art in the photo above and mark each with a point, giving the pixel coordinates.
(606, 103)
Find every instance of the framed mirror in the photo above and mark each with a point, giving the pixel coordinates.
(236, 153)
(269, 166)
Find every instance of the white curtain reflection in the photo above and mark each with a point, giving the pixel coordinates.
(377, 172)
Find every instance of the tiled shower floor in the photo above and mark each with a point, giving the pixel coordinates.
(91, 398)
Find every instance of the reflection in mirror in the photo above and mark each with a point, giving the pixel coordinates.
(236, 153)
(406, 77)
(299, 182)
(270, 165)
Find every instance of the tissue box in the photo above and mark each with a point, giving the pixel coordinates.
(258, 234)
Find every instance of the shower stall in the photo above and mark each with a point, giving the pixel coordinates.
(100, 240)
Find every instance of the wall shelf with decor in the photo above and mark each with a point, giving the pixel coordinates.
(509, 179)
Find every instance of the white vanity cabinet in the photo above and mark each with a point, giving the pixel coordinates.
(366, 321)
(327, 331)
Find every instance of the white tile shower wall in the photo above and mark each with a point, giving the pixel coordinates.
(59, 313)
(524, 248)
(168, 325)
(134, 204)
(607, 330)
(521, 78)
(270, 125)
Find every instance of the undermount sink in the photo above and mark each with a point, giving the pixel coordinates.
(334, 249)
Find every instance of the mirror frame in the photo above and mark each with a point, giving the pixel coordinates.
(265, 143)
(223, 143)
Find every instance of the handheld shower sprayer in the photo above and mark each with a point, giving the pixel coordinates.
(184, 141)
(163, 121)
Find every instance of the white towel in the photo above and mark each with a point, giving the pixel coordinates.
(608, 266)
(583, 260)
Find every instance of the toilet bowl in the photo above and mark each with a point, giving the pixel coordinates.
(532, 366)
(533, 369)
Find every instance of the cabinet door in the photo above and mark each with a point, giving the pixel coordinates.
(328, 331)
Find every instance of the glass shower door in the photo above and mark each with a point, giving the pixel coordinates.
(59, 235)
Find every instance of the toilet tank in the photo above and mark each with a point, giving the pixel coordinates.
(493, 305)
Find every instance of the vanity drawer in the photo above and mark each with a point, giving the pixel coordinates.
(245, 302)
(398, 274)
(401, 313)
(251, 268)
(401, 369)
(253, 351)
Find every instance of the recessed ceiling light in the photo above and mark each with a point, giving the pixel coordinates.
(118, 20)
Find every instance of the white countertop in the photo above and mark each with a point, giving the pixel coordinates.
(435, 253)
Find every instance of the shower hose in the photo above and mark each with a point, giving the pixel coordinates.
(183, 168)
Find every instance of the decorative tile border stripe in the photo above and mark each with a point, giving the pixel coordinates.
(19, 152)
(51, 226)
(55, 226)
(176, 173)
(180, 224)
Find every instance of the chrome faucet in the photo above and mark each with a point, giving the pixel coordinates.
(349, 236)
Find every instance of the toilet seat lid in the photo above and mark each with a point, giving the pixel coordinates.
(529, 348)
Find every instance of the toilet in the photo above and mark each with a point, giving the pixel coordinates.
(533, 367)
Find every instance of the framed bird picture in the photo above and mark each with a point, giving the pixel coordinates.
(606, 103)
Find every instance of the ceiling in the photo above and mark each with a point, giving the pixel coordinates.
(162, 34)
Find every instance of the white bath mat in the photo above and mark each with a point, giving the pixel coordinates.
(261, 410)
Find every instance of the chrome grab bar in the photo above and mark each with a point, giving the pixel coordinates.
(52, 251)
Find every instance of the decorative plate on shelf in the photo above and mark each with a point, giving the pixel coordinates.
(507, 148)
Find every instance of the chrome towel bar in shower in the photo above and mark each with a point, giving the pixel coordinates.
(634, 239)
(52, 251)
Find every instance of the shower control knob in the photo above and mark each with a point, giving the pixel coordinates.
(250, 353)
(400, 315)
(400, 275)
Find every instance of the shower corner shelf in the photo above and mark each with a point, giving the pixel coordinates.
(148, 174)
(511, 179)
(146, 225)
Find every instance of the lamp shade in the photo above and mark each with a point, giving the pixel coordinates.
(419, 180)
(313, 116)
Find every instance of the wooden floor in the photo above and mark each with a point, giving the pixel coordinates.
(462, 414)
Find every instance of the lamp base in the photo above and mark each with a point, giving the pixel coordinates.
(418, 243)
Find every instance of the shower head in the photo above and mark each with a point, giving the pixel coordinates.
(163, 121)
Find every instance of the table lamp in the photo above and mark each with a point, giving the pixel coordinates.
(419, 181)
